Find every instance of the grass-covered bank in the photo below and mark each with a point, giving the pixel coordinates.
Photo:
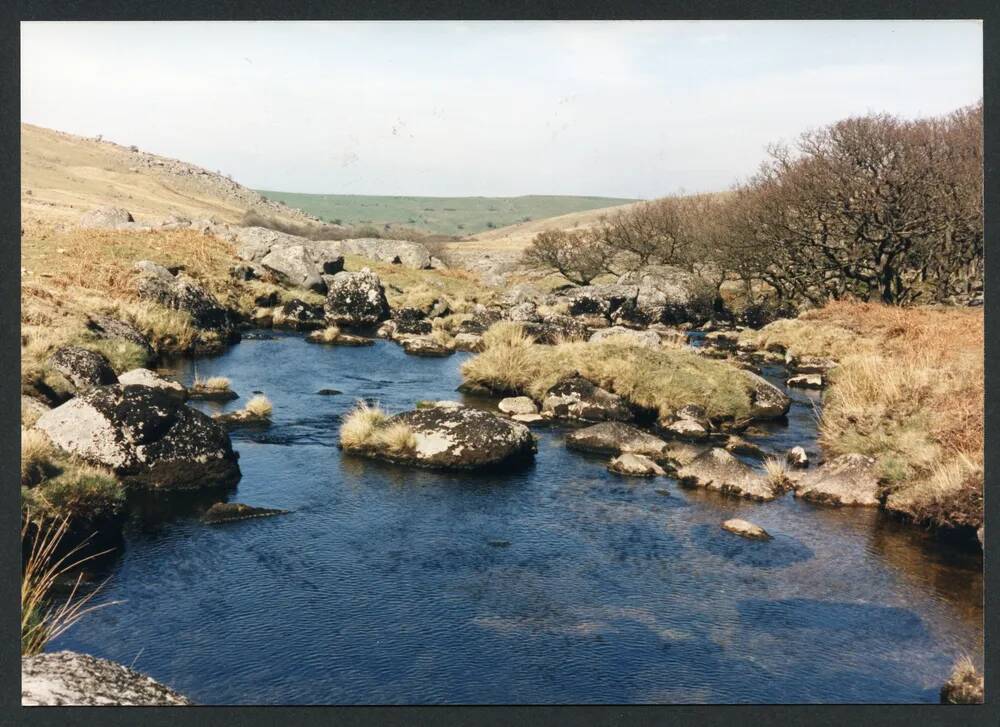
(908, 390)
(662, 380)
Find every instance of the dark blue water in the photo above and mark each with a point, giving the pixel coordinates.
(559, 583)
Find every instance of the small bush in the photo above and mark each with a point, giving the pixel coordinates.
(259, 406)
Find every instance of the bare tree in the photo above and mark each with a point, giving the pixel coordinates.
(578, 255)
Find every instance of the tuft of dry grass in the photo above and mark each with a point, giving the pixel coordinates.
(260, 407)
(368, 427)
(965, 685)
(662, 380)
(42, 619)
(327, 335)
(213, 383)
(776, 469)
(74, 489)
(37, 453)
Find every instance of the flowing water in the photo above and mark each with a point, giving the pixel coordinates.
(556, 583)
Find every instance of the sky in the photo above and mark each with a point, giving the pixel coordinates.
(625, 108)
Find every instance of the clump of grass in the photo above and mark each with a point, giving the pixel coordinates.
(965, 685)
(37, 455)
(260, 407)
(368, 427)
(122, 355)
(41, 619)
(79, 491)
(166, 329)
(213, 383)
(776, 469)
(661, 380)
(327, 335)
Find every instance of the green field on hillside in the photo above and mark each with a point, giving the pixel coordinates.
(439, 215)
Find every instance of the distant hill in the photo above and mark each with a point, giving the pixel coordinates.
(64, 175)
(438, 215)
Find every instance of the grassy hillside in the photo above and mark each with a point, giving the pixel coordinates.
(438, 215)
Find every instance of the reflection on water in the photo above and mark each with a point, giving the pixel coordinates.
(557, 582)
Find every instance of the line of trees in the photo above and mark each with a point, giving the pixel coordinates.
(875, 207)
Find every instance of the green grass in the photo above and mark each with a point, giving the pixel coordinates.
(438, 215)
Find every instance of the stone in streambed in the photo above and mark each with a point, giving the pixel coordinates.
(635, 465)
(616, 438)
(745, 529)
(719, 470)
(517, 405)
(849, 479)
(223, 512)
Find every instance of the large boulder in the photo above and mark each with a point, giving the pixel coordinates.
(145, 377)
(293, 265)
(719, 470)
(767, 400)
(105, 218)
(356, 299)
(109, 329)
(579, 399)
(182, 292)
(84, 369)
(553, 329)
(395, 252)
(616, 438)
(68, 679)
(299, 316)
(849, 479)
(457, 438)
(664, 294)
(145, 435)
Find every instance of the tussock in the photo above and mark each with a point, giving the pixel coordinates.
(368, 427)
(214, 383)
(37, 454)
(777, 471)
(260, 407)
(661, 380)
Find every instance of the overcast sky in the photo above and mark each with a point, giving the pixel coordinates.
(630, 109)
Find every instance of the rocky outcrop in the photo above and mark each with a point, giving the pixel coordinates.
(635, 465)
(457, 438)
(410, 322)
(767, 400)
(68, 679)
(182, 292)
(108, 218)
(82, 368)
(578, 399)
(664, 294)
(553, 329)
(356, 299)
(109, 329)
(224, 512)
(616, 438)
(849, 479)
(296, 265)
(395, 252)
(719, 470)
(145, 435)
(746, 529)
(145, 377)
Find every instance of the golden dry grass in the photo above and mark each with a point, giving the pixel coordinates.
(259, 406)
(213, 383)
(776, 469)
(36, 456)
(662, 380)
(368, 427)
(908, 390)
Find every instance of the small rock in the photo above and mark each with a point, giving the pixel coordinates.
(105, 218)
(419, 346)
(635, 465)
(616, 438)
(806, 381)
(223, 512)
(329, 392)
(746, 529)
(738, 445)
(469, 342)
(797, 457)
(769, 402)
(687, 429)
(517, 405)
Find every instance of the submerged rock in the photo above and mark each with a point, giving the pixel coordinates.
(746, 529)
(342, 339)
(719, 470)
(145, 377)
(329, 392)
(224, 512)
(68, 679)
(846, 480)
(616, 438)
(457, 438)
(577, 398)
(635, 465)
(146, 436)
(84, 369)
(356, 299)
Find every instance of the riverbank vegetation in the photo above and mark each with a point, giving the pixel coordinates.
(368, 427)
(908, 390)
(661, 380)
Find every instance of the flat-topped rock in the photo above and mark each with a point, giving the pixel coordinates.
(719, 470)
(849, 479)
(517, 405)
(68, 679)
(224, 512)
(577, 398)
(616, 438)
(746, 529)
(635, 465)
(145, 377)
